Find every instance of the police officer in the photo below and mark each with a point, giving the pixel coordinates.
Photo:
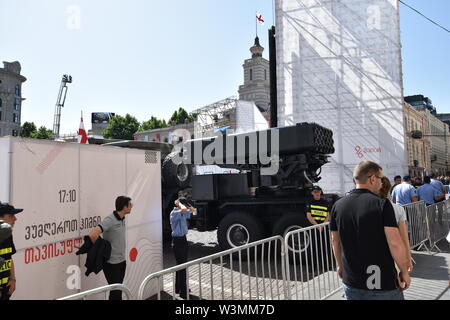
(7, 250)
(318, 209)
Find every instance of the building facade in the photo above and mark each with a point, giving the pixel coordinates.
(439, 138)
(438, 134)
(10, 98)
(419, 160)
(256, 85)
(444, 117)
(170, 135)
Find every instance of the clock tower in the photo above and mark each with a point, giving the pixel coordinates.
(256, 85)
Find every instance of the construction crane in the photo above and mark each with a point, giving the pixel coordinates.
(60, 104)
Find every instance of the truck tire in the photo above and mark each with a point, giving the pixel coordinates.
(237, 229)
(291, 222)
(176, 175)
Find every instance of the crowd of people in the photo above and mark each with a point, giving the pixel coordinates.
(369, 230)
(430, 189)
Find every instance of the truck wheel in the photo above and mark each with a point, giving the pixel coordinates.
(297, 245)
(237, 229)
(176, 175)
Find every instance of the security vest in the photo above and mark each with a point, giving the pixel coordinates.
(319, 210)
(7, 250)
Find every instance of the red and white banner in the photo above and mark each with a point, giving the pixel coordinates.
(82, 136)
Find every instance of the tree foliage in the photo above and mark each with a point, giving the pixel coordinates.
(122, 128)
(43, 133)
(153, 123)
(28, 129)
(181, 117)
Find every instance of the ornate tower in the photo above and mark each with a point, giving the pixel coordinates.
(257, 80)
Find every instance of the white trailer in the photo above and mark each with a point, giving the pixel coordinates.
(65, 190)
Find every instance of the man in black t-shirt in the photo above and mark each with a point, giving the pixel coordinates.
(317, 209)
(7, 250)
(366, 240)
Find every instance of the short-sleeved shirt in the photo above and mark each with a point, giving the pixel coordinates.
(400, 213)
(427, 193)
(439, 186)
(178, 222)
(319, 209)
(114, 231)
(404, 193)
(7, 250)
(360, 218)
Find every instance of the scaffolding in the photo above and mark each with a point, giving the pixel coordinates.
(339, 65)
(214, 116)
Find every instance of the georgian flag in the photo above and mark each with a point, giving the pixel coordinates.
(82, 136)
(260, 18)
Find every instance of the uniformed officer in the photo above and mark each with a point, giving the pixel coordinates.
(318, 209)
(7, 250)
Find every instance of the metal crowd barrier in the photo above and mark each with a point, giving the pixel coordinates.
(300, 266)
(311, 267)
(417, 224)
(105, 290)
(251, 272)
(438, 216)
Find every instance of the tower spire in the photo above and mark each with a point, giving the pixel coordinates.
(257, 50)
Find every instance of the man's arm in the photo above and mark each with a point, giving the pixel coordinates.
(413, 194)
(439, 196)
(337, 251)
(399, 254)
(311, 219)
(183, 208)
(404, 235)
(12, 279)
(397, 248)
(95, 233)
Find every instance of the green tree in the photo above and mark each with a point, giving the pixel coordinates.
(180, 117)
(122, 128)
(28, 129)
(43, 133)
(153, 123)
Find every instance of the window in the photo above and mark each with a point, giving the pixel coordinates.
(251, 74)
(14, 133)
(265, 74)
(15, 118)
(1, 103)
(16, 104)
(17, 90)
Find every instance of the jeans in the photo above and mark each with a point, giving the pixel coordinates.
(114, 274)
(360, 294)
(180, 249)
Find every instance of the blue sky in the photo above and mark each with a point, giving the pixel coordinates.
(148, 57)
